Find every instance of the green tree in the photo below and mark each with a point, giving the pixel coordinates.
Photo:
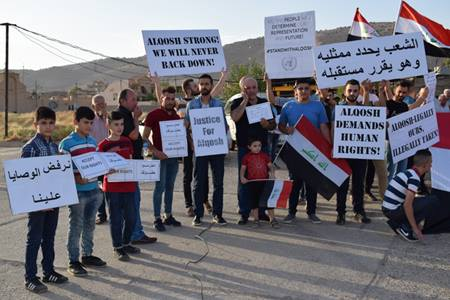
(236, 72)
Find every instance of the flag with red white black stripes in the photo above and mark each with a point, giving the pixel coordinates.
(275, 193)
(361, 29)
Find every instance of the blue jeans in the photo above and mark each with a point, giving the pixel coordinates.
(138, 231)
(41, 234)
(201, 183)
(121, 217)
(82, 224)
(394, 168)
(167, 175)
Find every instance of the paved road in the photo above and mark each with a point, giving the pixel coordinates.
(298, 261)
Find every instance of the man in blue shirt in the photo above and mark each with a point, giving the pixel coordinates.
(291, 112)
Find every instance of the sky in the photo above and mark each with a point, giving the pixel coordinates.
(114, 27)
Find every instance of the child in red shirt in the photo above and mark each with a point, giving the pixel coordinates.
(256, 167)
(119, 195)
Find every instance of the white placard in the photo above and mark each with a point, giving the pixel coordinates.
(259, 111)
(359, 132)
(288, 43)
(182, 52)
(208, 131)
(440, 171)
(430, 82)
(94, 164)
(389, 57)
(39, 183)
(173, 138)
(413, 130)
(137, 170)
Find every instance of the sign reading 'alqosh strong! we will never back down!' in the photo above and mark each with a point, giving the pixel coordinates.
(183, 52)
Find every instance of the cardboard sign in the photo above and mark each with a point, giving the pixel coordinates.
(413, 130)
(39, 183)
(181, 52)
(430, 82)
(208, 131)
(390, 57)
(94, 164)
(137, 170)
(173, 138)
(359, 132)
(258, 111)
(288, 43)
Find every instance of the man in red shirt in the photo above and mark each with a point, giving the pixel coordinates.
(169, 166)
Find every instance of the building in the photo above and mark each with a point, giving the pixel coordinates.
(19, 100)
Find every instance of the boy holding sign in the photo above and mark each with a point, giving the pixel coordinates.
(169, 165)
(41, 224)
(82, 215)
(120, 195)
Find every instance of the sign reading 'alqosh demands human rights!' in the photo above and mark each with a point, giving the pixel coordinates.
(389, 57)
(183, 52)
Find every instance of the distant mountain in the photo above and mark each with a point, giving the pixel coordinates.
(63, 78)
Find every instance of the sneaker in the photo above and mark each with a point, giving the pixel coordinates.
(197, 221)
(55, 277)
(406, 233)
(208, 207)
(243, 220)
(289, 219)
(301, 202)
(131, 249)
(393, 226)
(340, 220)
(314, 219)
(145, 240)
(219, 220)
(92, 261)
(100, 220)
(371, 196)
(274, 223)
(256, 224)
(170, 220)
(158, 225)
(35, 286)
(362, 218)
(120, 254)
(190, 212)
(264, 217)
(76, 269)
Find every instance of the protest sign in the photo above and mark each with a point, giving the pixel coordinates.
(413, 130)
(430, 82)
(208, 131)
(359, 132)
(94, 164)
(40, 183)
(137, 170)
(258, 111)
(288, 43)
(440, 171)
(389, 57)
(181, 52)
(173, 138)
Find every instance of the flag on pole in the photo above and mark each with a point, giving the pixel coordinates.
(275, 193)
(361, 29)
(307, 156)
(435, 36)
(440, 171)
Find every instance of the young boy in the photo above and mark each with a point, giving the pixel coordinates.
(256, 165)
(82, 215)
(41, 224)
(119, 195)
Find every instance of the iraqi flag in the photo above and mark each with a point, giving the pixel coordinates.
(307, 155)
(435, 36)
(361, 29)
(440, 171)
(276, 193)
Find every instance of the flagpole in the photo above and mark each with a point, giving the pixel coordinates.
(398, 16)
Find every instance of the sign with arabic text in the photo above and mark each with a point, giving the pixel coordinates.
(390, 57)
(137, 170)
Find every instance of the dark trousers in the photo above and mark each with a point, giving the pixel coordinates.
(188, 170)
(311, 196)
(102, 209)
(41, 233)
(200, 191)
(370, 176)
(122, 217)
(358, 167)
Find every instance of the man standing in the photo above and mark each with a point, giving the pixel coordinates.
(291, 112)
(99, 131)
(201, 163)
(128, 106)
(244, 131)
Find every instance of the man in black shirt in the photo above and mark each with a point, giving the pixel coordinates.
(244, 130)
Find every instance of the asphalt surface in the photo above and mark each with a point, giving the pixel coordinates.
(297, 261)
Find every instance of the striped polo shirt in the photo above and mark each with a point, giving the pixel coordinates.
(75, 144)
(396, 192)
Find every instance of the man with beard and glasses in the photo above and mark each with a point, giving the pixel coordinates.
(205, 100)
(244, 131)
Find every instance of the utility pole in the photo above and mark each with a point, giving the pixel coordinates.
(6, 76)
